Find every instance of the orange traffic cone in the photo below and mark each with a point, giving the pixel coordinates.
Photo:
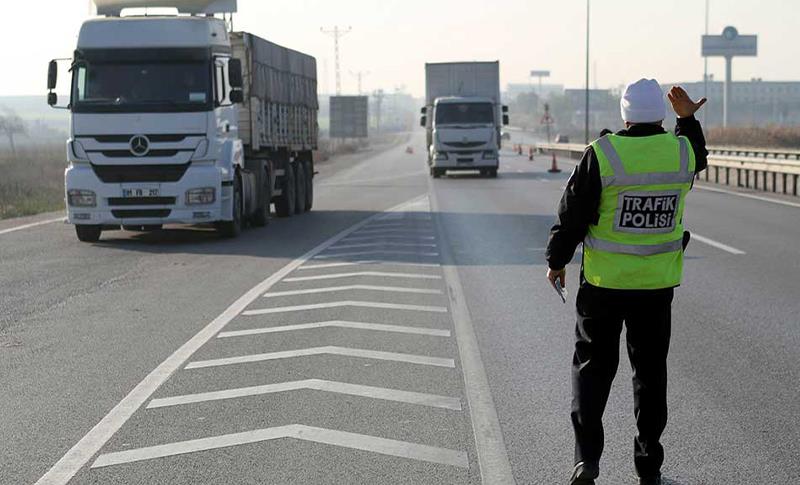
(554, 167)
(519, 149)
(530, 153)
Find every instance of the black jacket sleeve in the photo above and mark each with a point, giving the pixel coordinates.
(691, 129)
(578, 209)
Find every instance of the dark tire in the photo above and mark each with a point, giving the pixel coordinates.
(492, 173)
(285, 203)
(300, 179)
(232, 229)
(88, 234)
(260, 217)
(309, 186)
(436, 172)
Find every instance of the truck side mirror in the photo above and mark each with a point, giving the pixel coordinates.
(235, 73)
(423, 122)
(505, 120)
(52, 75)
(52, 99)
(237, 96)
(505, 109)
(424, 110)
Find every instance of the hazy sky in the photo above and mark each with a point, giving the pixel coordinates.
(392, 39)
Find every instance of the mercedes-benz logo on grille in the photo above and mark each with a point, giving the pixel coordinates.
(140, 145)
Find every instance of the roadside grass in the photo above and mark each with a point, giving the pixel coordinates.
(756, 136)
(32, 181)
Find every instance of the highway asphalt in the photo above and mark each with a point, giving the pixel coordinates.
(402, 332)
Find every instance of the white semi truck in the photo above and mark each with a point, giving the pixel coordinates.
(463, 116)
(174, 119)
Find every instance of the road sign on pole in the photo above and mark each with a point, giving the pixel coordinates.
(729, 45)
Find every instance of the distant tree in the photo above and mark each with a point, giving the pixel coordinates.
(12, 125)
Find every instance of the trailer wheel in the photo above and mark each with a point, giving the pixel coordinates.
(309, 186)
(285, 203)
(232, 229)
(88, 234)
(300, 179)
(260, 217)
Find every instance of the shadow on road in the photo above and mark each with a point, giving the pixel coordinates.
(474, 238)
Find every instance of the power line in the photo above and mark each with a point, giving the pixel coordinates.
(337, 34)
(360, 75)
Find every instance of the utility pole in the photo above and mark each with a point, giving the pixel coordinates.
(360, 75)
(705, 71)
(378, 95)
(586, 128)
(337, 34)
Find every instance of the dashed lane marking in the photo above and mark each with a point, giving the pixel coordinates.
(329, 350)
(717, 244)
(378, 327)
(31, 225)
(333, 289)
(373, 444)
(380, 274)
(417, 398)
(381, 251)
(91, 443)
(366, 262)
(343, 304)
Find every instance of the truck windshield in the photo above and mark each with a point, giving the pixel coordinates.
(142, 87)
(464, 113)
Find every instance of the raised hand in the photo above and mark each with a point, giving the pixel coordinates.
(682, 104)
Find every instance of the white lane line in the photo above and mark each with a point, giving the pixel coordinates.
(334, 289)
(378, 327)
(491, 449)
(385, 252)
(373, 444)
(380, 274)
(31, 225)
(88, 446)
(748, 196)
(367, 262)
(418, 398)
(384, 245)
(329, 350)
(398, 224)
(392, 232)
(390, 238)
(344, 304)
(717, 244)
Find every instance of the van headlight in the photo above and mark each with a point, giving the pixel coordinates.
(441, 156)
(81, 198)
(203, 196)
(489, 155)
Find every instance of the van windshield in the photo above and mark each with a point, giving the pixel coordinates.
(464, 113)
(142, 86)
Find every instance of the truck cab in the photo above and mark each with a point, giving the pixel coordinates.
(465, 135)
(156, 132)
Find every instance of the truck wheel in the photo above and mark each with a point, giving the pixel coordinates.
(285, 204)
(492, 173)
(232, 229)
(436, 172)
(88, 234)
(300, 205)
(309, 186)
(260, 217)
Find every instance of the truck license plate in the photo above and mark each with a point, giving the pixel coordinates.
(140, 192)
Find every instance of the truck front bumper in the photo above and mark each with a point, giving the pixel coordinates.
(472, 160)
(114, 205)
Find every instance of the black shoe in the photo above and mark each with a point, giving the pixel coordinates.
(654, 480)
(584, 473)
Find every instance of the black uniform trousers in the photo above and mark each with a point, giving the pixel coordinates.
(647, 318)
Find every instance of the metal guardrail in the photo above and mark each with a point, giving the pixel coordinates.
(738, 167)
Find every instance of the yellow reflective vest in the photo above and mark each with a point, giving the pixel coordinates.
(638, 240)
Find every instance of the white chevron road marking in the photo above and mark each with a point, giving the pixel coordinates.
(334, 289)
(341, 304)
(361, 274)
(378, 327)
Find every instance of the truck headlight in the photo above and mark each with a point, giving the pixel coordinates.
(81, 198)
(489, 155)
(204, 196)
(441, 156)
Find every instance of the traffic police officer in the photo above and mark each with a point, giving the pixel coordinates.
(625, 203)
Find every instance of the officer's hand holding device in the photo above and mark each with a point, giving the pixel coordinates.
(559, 281)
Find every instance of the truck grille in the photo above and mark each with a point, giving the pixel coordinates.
(465, 144)
(131, 201)
(150, 154)
(141, 214)
(152, 138)
(122, 174)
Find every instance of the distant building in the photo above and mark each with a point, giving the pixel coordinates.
(514, 90)
(754, 102)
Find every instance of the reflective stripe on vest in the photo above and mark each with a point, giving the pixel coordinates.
(621, 178)
(634, 249)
